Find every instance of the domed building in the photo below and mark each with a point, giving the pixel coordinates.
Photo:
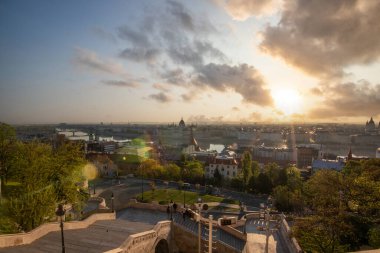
(182, 123)
(370, 126)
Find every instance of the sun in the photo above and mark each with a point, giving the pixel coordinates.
(287, 101)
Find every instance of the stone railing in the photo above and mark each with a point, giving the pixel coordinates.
(288, 239)
(101, 201)
(144, 241)
(26, 238)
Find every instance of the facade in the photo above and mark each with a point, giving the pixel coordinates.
(281, 156)
(319, 164)
(227, 166)
(370, 126)
(306, 155)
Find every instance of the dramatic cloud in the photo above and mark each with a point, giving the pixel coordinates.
(243, 9)
(243, 79)
(160, 97)
(349, 100)
(89, 60)
(174, 76)
(161, 87)
(235, 109)
(322, 37)
(118, 83)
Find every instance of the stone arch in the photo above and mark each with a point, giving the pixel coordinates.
(162, 246)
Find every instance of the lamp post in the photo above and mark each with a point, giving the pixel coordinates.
(199, 224)
(171, 209)
(61, 212)
(142, 186)
(112, 202)
(184, 196)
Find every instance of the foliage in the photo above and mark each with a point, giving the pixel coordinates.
(374, 237)
(263, 183)
(321, 234)
(41, 177)
(165, 195)
(246, 166)
(192, 171)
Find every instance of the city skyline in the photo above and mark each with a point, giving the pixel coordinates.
(206, 61)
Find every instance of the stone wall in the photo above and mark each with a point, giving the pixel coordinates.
(184, 241)
(26, 238)
(145, 241)
(288, 239)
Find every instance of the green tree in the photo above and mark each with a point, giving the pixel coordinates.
(45, 177)
(246, 166)
(172, 171)
(321, 234)
(263, 184)
(7, 139)
(218, 178)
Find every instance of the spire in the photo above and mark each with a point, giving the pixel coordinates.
(349, 156)
(371, 121)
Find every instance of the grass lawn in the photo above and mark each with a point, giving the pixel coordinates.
(163, 196)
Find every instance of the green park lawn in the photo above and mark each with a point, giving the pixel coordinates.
(163, 196)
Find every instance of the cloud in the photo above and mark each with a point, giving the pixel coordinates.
(255, 116)
(348, 100)
(160, 97)
(190, 95)
(204, 119)
(174, 76)
(118, 83)
(243, 79)
(89, 60)
(323, 37)
(161, 87)
(243, 9)
(101, 33)
(139, 54)
(235, 109)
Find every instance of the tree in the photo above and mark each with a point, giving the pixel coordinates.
(218, 178)
(172, 172)
(7, 138)
(246, 166)
(263, 184)
(193, 171)
(45, 177)
(321, 234)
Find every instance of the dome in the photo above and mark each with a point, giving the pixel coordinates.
(182, 123)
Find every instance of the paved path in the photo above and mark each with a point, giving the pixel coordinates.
(99, 237)
(256, 239)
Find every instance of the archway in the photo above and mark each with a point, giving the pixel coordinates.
(162, 247)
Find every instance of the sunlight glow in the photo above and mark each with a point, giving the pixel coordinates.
(288, 101)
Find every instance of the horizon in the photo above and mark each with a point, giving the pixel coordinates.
(208, 61)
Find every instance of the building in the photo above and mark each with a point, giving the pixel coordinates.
(281, 156)
(227, 166)
(182, 123)
(370, 126)
(319, 164)
(306, 155)
(378, 153)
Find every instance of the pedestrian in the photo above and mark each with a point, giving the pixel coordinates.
(184, 215)
(168, 211)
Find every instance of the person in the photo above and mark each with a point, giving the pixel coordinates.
(168, 211)
(184, 215)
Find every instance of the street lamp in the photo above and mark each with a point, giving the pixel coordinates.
(61, 212)
(184, 196)
(112, 202)
(171, 209)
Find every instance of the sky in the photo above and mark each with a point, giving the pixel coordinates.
(206, 61)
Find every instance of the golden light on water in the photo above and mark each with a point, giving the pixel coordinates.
(90, 171)
(287, 101)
